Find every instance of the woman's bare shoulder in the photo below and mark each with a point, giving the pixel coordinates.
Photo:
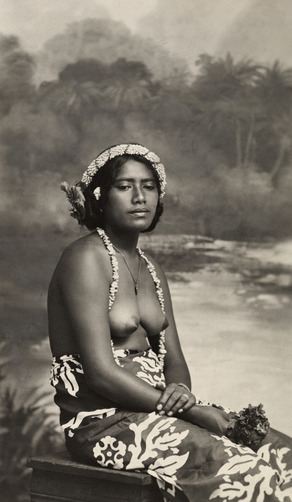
(86, 253)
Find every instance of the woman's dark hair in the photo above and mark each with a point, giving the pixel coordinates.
(105, 178)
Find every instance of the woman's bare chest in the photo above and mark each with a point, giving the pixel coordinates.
(131, 311)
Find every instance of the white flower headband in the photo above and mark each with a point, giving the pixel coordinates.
(75, 193)
(130, 149)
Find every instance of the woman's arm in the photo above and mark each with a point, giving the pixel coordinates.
(176, 397)
(84, 277)
(176, 369)
(172, 400)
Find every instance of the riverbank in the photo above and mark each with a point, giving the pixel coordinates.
(239, 352)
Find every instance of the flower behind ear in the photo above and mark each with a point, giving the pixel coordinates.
(76, 198)
(97, 193)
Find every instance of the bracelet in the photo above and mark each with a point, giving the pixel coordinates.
(184, 385)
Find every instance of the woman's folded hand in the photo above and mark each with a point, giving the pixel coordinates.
(209, 417)
(175, 399)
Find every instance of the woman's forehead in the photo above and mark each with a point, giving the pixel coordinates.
(134, 169)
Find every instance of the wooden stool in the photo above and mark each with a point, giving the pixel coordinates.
(56, 478)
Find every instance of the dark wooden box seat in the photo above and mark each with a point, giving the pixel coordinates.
(56, 478)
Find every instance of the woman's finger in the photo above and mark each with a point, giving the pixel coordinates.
(188, 405)
(168, 391)
(175, 400)
(179, 404)
(176, 397)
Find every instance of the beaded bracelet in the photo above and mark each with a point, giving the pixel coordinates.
(184, 385)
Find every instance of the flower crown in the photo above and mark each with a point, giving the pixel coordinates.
(130, 149)
(75, 193)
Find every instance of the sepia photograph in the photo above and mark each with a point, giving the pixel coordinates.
(146, 251)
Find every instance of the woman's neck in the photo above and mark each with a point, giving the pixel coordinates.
(124, 241)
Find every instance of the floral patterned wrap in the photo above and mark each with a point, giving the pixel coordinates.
(77, 401)
(188, 462)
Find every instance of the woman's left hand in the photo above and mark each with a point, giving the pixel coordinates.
(175, 399)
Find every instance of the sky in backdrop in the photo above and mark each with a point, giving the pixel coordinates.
(38, 20)
(260, 29)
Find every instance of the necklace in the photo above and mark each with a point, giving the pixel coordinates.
(136, 281)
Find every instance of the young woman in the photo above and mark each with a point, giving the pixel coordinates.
(121, 380)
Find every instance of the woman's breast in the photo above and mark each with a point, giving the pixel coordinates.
(128, 315)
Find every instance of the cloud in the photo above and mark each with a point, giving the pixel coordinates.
(191, 27)
(37, 21)
(262, 32)
(105, 40)
(256, 29)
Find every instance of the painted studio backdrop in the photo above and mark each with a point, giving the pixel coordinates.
(207, 84)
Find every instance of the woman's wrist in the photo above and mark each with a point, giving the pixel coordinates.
(184, 385)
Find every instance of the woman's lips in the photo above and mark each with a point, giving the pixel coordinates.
(140, 212)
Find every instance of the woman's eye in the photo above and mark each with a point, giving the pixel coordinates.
(124, 187)
(149, 187)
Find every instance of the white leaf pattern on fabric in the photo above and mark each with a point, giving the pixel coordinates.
(159, 437)
(69, 381)
(109, 452)
(230, 446)
(286, 474)
(258, 480)
(238, 464)
(166, 468)
(76, 421)
(283, 494)
(65, 371)
(155, 440)
(150, 369)
(229, 491)
(267, 451)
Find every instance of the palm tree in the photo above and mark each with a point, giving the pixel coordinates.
(129, 85)
(71, 98)
(228, 105)
(27, 427)
(16, 74)
(274, 91)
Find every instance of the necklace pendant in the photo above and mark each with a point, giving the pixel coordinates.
(136, 281)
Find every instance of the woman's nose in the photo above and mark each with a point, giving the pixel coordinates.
(139, 194)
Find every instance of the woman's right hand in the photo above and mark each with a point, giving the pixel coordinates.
(210, 418)
(174, 399)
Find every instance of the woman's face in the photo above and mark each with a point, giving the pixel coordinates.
(133, 198)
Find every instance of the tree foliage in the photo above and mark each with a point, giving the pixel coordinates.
(16, 73)
(27, 428)
(231, 120)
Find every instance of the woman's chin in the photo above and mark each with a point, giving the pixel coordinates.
(136, 224)
(140, 224)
